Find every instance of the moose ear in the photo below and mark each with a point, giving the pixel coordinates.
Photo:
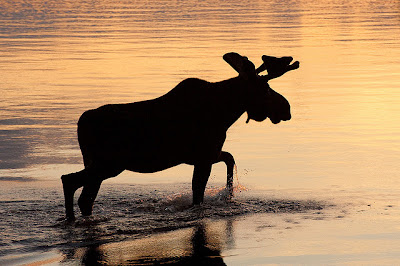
(241, 64)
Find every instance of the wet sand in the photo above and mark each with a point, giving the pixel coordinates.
(160, 227)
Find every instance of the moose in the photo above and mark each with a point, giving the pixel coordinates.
(187, 125)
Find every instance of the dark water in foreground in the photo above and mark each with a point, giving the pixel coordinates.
(33, 223)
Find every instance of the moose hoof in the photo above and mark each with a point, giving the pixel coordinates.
(70, 219)
(86, 208)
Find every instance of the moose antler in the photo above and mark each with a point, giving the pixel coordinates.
(276, 66)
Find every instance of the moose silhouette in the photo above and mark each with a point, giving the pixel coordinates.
(185, 126)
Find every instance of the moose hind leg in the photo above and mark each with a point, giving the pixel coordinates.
(87, 197)
(201, 174)
(228, 159)
(91, 186)
(71, 183)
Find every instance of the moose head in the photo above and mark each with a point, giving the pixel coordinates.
(261, 100)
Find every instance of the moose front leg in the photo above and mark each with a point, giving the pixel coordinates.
(228, 159)
(201, 174)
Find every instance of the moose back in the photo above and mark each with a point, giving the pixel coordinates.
(186, 125)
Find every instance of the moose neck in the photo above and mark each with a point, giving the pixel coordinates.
(232, 100)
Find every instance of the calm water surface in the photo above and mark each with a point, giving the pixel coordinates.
(60, 58)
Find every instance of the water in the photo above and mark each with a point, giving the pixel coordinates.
(59, 59)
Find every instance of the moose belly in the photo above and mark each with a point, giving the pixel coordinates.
(152, 146)
(150, 166)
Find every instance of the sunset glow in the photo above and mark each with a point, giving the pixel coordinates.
(341, 147)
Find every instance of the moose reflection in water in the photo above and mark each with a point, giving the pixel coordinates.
(187, 125)
(201, 244)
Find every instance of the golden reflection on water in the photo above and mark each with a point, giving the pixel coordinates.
(201, 244)
(61, 58)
